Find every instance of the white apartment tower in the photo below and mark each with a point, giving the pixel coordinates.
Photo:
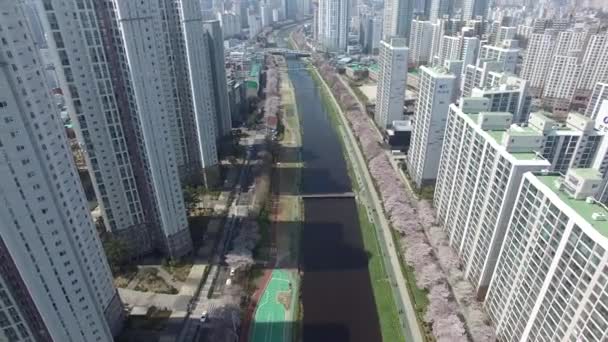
(215, 37)
(561, 81)
(505, 33)
(398, 19)
(421, 35)
(471, 9)
(573, 144)
(550, 279)
(153, 100)
(334, 21)
(507, 94)
(392, 81)
(470, 50)
(482, 162)
(451, 48)
(538, 59)
(507, 57)
(201, 106)
(439, 28)
(440, 8)
(478, 75)
(599, 95)
(595, 63)
(55, 282)
(127, 109)
(436, 88)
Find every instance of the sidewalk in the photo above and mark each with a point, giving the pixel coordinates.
(147, 299)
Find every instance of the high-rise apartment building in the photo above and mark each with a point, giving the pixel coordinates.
(470, 50)
(573, 144)
(266, 14)
(334, 21)
(223, 121)
(538, 59)
(391, 81)
(507, 93)
(561, 81)
(550, 278)
(143, 106)
(482, 163)
(55, 282)
(303, 8)
(198, 106)
(436, 88)
(440, 8)
(108, 139)
(478, 76)
(451, 49)
(471, 9)
(594, 63)
(370, 33)
(507, 57)
(398, 18)
(599, 94)
(505, 33)
(421, 35)
(148, 81)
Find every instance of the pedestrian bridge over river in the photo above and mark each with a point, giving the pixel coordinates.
(330, 195)
(287, 52)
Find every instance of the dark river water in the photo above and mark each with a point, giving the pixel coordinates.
(337, 295)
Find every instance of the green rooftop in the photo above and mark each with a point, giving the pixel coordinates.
(374, 68)
(356, 66)
(524, 131)
(587, 173)
(255, 70)
(498, 135)
(526, 156)
(586, 210)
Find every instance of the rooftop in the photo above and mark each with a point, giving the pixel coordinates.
(586, 173)
(356, 66)
(498, 135)
(523, 130)
(255, 70)
(437, 71)
(584, 209)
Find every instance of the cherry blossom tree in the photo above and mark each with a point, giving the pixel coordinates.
(424, 245)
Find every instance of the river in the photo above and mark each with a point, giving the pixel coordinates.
(337, 295)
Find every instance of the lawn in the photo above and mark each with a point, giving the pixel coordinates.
(383, 294)
(149, 281)
(179, 270)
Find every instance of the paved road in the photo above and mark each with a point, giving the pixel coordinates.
(409, 322)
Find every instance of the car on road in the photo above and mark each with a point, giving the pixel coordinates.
(204, 317)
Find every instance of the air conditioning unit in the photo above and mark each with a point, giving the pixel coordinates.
(590, 200)
(598, 217)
